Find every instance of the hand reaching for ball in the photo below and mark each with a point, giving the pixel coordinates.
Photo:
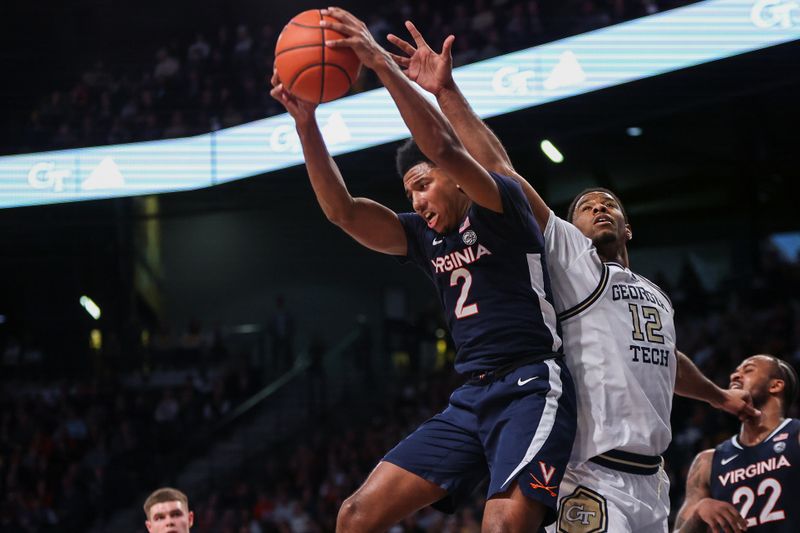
(433, 72)
(308, 68)
(301, 111)
(357, 36)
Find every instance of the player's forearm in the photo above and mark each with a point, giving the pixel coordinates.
(475, 135)
(692, 525)
(326, 181)
(691, 383)
(432, 132)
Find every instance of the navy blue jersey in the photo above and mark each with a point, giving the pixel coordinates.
(492, 281)
(762, 481)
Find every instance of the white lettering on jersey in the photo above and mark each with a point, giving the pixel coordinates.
(753, 470)
(454, 260)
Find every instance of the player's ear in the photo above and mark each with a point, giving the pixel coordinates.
(628, 232)
(191, 518)
(148, 525)
(776, 386)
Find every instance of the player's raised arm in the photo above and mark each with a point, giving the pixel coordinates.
(701, 512)
(368, 222)
(431, 130)
(691, 383)
(434, 73)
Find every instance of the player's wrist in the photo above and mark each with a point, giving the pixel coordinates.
(448, 90)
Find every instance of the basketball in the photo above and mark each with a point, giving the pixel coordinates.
(307, 68)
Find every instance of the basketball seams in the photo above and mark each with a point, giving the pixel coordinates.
(298, 24)
(344, 71)
(308, 67)
(297, 47)
(322, 76)
(300, 44)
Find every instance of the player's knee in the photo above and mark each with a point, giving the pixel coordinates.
(352, 517)
(500, 524)
(513, 518)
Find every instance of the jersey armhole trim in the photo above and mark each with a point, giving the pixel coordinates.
(589, 300)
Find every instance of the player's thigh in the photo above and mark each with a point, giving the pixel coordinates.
(598, 499)
(389, 494)
(512, 511)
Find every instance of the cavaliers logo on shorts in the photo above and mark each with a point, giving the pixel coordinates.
(583, 511)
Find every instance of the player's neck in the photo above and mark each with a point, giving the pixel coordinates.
(755, 431)
(612, 253)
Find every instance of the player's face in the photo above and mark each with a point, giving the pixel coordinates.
(435, 197)
(599, 216)
(169, 517)
(754, 376)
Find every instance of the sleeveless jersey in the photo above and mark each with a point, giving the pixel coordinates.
(762, 481)
(619, 344)
(491, 278)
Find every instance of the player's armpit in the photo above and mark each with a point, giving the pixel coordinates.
(541, 211)
(374, 226)
(697, 488)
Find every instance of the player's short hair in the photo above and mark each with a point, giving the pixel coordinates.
(785, 372)
(574, 203)
(164, 494)
(409, 155)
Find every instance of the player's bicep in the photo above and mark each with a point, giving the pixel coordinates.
(375, 226)
(697, 485)
(474, 180)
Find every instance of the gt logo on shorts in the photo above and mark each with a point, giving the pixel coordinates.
(583, 511)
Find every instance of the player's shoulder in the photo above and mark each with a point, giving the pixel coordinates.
(700, 470)
(656, 287)
(703, 460)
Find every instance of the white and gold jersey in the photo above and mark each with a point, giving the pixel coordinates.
(619, 342)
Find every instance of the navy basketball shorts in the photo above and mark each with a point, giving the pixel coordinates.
(518, 428)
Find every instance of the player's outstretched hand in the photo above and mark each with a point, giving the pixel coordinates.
(433, 72)
(739, 402)
(300, 110)
(720, 516)
(357, 36)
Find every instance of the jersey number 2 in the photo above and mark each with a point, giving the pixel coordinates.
(462, 310)
(767, 514)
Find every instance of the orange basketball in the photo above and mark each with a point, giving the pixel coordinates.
(309, 69)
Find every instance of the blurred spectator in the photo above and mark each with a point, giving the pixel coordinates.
(223, 82)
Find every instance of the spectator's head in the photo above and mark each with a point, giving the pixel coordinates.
(767, 379)
(167, 510)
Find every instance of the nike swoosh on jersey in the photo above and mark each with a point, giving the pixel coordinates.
(729, 459)
(437, 241)
(522, 382)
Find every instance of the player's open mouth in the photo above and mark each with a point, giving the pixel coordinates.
(602, 219)
(735, 385)
(430, 218)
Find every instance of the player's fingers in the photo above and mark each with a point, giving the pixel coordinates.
(733, 521)
(737, 521)
(342, 28)
(340, 14)
(750, 411)
(401, 44)
(400, 60)
(447, 46)
(274, 80)
(278, 93)
(415, 34)
(349, 42)
(724, 526)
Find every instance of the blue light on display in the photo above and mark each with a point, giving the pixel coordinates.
(676, 39)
